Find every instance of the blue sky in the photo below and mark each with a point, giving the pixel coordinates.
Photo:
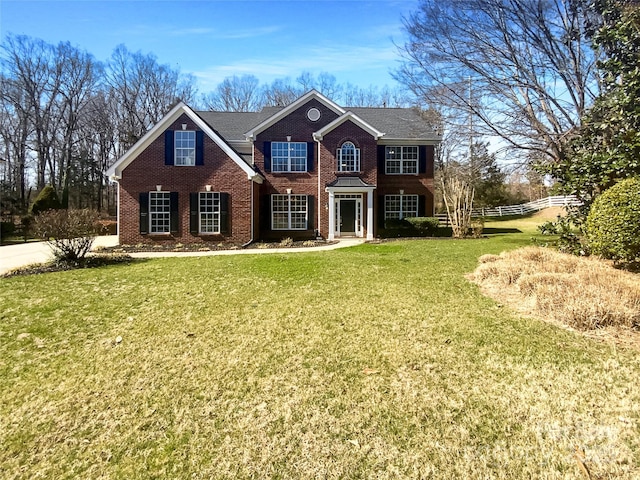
(212, 39)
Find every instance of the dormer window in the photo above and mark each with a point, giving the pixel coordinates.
(348, 158)
(185, 147)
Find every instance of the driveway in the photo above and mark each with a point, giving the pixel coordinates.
(14, 256)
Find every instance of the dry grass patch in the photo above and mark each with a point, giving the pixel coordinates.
(582, 293)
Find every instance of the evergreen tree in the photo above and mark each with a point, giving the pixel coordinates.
(607, 147)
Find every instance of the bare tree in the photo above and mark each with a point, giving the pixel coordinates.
(79, 77)
(280, 93)
(235, 94)
(142, 92)
(458, 199)
(15, 129)
(530, 60)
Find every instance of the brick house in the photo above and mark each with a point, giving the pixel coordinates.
(309, 169)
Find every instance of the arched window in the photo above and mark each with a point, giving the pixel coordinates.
(348, 158)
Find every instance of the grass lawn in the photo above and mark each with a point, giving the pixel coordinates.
(378, 361)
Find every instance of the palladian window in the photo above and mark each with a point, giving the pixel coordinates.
(348, 158)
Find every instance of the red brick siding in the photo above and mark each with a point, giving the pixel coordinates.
(219, 171)
(301, 129)
(421, 184)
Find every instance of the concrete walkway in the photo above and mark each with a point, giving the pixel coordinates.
(15, 256)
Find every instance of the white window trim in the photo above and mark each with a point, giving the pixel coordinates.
(152, 214)
(176, 148)
(356, 160)
(402, 204)
(402, 160)
(289, 196)
(288, 170)
(214, 213)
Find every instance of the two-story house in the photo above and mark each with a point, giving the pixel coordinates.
(312, 168)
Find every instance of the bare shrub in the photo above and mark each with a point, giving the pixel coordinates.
(583, 293)
(70, 233)
(286, 242)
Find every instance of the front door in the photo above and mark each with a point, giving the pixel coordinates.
(347, 217)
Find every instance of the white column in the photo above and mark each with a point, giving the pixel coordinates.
(369, 215)
(332, 215)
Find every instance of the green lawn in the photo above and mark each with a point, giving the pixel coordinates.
(379, 361)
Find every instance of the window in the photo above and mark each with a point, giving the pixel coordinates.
(289, 212)
(159, 212)
(400, 206)
(288, 156)
(185, 147)
(209, 212)
(348, 158)
(401, 160)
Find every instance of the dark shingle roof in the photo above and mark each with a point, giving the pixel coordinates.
(405, 123)
(396, 122)
(233, 125)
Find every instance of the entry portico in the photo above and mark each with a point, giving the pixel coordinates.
(347, 196)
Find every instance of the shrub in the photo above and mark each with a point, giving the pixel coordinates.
(70, 233)
(425, 226)
(613, 223)
(6, 229)
(47, 199)
(477, 227)
(286, 242)
(568, 241)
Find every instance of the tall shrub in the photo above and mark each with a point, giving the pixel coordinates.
(613, 223)
(47, 199)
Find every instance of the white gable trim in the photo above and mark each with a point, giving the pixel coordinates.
(313, 94)
(115, 171)
(348, 116)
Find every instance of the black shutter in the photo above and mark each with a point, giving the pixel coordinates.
(265, 213)
(381, 159)
(169, 151)
(144, 213)
(199, 147)
(430, 150)
(194, 213)
(422, 205)
(311, 206)
(380, 211)
(224, 213)
(267, 156)
(422, 159)
(310, 156)
(174, 214)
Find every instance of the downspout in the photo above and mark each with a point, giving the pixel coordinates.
(115, 180)
(317, 140)
(244, 245)
(252, 221)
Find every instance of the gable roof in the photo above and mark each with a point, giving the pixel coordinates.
(348, 116)
(115, 171)
(313, 94)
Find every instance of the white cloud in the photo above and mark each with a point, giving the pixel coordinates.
(350, 61)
